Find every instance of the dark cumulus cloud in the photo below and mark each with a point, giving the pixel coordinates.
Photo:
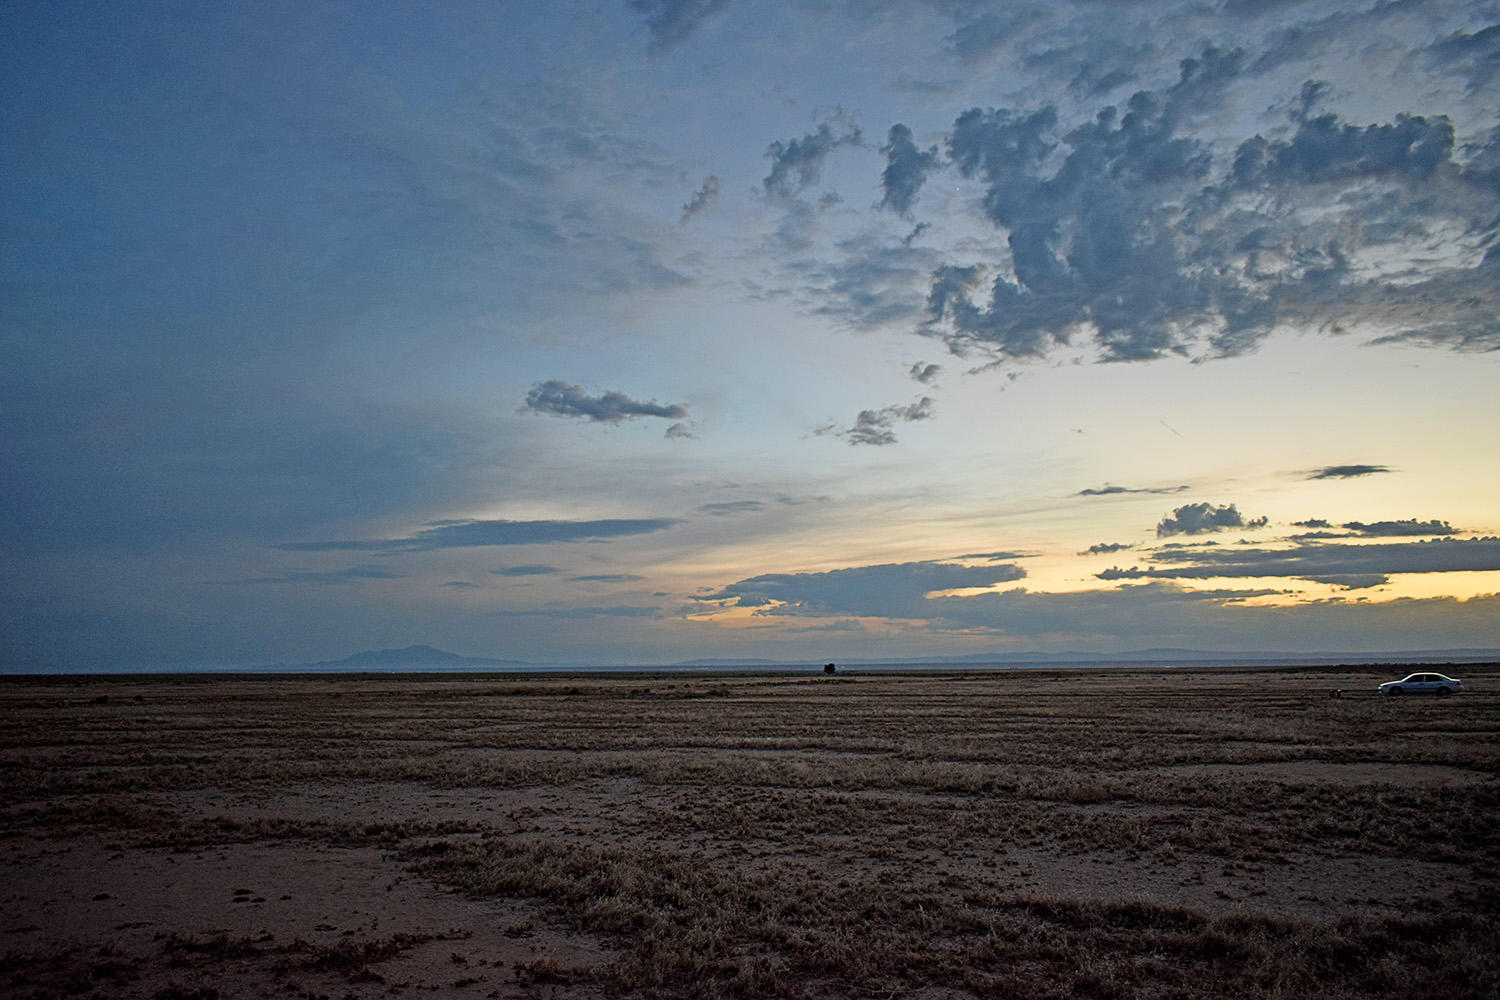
(1347, 471)
(1343, 564)
(906, 169)
(478, 534)
(564, 400)
(1202, 518)
(889, 590)
(672, 21)
(1105, 548)
(1109, 491)
(797, 163)
(1130, 233)
(533, 569)
(877, 427)
(926, 373)
(702, 200)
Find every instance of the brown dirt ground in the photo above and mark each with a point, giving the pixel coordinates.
(174, 839)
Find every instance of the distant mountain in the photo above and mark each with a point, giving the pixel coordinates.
(731, 663)
(411, 658)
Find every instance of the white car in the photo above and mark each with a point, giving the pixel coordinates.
(1422, 684)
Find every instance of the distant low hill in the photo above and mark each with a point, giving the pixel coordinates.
(411, 658)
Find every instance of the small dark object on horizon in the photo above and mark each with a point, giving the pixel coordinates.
(1335, 692)
(829, 668)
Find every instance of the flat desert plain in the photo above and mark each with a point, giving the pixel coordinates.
(1092, 834)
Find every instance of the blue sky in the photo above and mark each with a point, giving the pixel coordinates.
(646, 330)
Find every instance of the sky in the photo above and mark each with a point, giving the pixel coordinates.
(640, 331)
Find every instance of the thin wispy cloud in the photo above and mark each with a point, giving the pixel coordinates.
(480, 534)
(560, 399)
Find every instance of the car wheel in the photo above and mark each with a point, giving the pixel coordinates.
(1395, 691)
(1444, 691)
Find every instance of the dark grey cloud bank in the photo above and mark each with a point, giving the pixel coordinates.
(477, 534)
(891, 590)
(1130, 230)
(561, 399)
(1345, 564)
(1138, 233)
(1157, 611)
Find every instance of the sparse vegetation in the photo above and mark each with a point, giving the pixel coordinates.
(1040, 834)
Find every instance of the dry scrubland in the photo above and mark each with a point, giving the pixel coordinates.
(1089, 834)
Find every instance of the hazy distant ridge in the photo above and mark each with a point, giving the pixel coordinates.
(411, 657)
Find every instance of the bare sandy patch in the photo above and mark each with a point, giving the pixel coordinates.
(261, 919)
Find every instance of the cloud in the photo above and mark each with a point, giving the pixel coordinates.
(326, 578)
(796, 163)
(1201, 518)
(530, 570)
(606, 578)
(1107, 491)
(1134, 234)
(672, 21)
(906, 169)
(680, 431)
(874, 427)
(728, 507)
(926, 373)
(614, 611)
(872, 285)
(890, 590)
(703, 199)
(1343, 564)
(1410, 526)
(460, 585)
(1375, 529)
(476, 534)
(1104, 548)
(564, 400)
(995, 556)
(1476, 56)
(1347, 471)
(975, 39)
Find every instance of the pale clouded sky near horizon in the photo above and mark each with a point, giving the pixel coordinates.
(646, 330)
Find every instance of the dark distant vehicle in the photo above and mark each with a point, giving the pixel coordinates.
(1422, 684)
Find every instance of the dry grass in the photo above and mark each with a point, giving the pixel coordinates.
(1087, 834)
